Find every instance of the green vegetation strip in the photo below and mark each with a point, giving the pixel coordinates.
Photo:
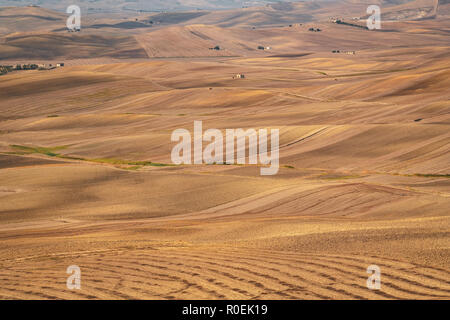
(52, 152)
(128, 163)
(432, 175)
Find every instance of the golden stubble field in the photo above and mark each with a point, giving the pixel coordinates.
(364, 155)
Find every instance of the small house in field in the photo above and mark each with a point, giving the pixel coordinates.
(239, 76)
(58, 65)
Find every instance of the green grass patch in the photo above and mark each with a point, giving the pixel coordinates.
(53, 116)
(51, 152)
(71, 158)
(129, 163)
(134, 168)
(432, 175)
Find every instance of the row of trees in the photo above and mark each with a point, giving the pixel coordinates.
(27, 67)
(6, 69)
(338, 21)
